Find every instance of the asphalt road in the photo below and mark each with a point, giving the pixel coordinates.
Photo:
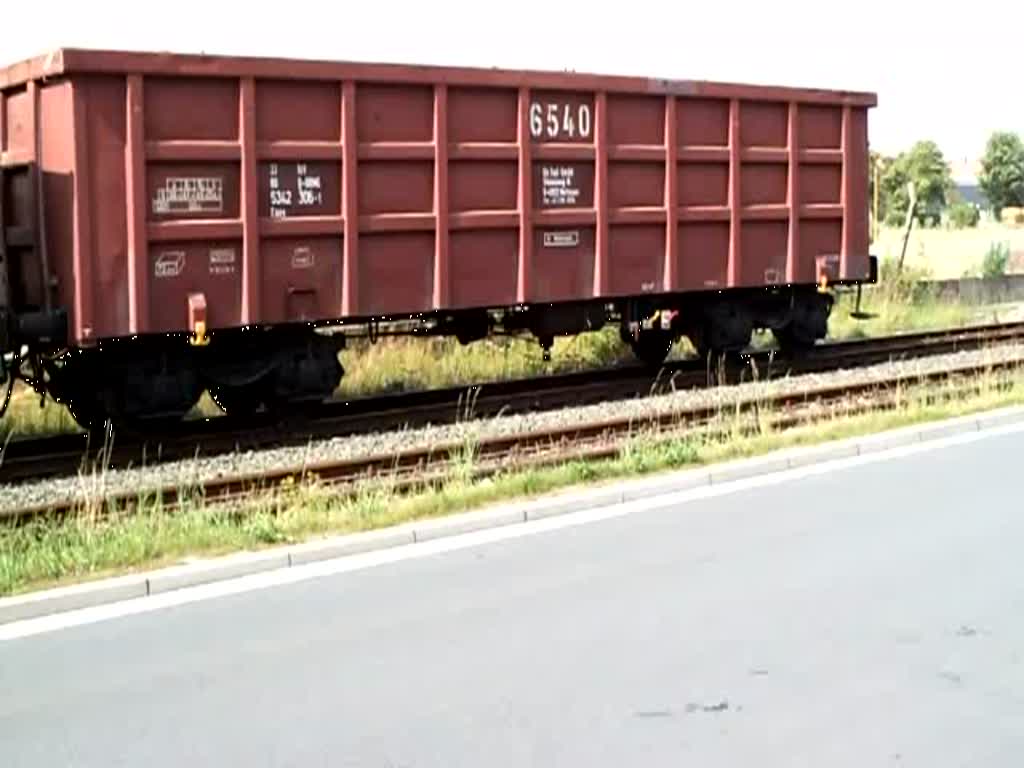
(869, 617)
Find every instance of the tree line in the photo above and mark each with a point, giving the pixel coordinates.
(922, 177)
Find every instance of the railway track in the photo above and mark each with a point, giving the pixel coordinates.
(419, 467)
(63, 455)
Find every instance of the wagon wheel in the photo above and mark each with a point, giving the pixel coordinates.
(793, 339)
(89, 415)
(651, 347)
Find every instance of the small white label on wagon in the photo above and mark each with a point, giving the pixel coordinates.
(558, 185)
(169, 264)
(293, 186)
(192, 194)
(222, 261)
(565, 239)
(302, 258)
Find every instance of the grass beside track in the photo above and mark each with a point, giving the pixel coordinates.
(401, 364)
(88, 546)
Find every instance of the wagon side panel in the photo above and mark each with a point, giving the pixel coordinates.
(189, 195)
(482, 195)
(100, 183)
(295, 154)
(57, 163)
(287, 195)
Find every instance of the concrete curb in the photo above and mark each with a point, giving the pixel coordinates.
(90, 594)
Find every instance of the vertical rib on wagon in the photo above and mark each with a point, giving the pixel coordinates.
(524, 200)
(846, 195)
(601, 193)
(793, 192)
(441, 290)
(135, 187)
(670, 280)
(252, 273)
(349, 181)
(735, 197)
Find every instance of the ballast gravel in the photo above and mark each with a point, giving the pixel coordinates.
(190, 472)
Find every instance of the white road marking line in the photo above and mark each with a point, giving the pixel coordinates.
(350, 563)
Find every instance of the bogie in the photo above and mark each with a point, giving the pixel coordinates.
(146, 380)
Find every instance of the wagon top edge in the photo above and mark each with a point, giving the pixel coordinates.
(68, 61)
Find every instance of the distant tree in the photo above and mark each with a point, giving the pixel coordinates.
(892, 192)
(925, 166)
(1002, 171)
(880, 165)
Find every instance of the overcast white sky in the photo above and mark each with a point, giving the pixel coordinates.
(950, 77)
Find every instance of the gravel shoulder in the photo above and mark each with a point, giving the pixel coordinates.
(194, 471)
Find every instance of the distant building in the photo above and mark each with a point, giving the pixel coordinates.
(971, 193)
(965, 172)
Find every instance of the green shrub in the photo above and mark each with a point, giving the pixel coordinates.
(963, 215)
(996, 260)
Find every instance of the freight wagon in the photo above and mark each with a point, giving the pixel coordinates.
(171, 224)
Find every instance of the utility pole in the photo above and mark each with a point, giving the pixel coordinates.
(911, 212)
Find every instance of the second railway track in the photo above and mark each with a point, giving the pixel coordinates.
(62, 455)
(421, 465)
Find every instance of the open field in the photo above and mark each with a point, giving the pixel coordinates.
(950, 253)
(89, 546)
